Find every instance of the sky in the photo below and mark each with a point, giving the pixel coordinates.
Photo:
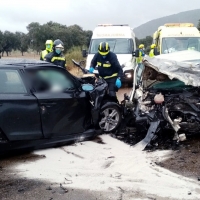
(16, 15)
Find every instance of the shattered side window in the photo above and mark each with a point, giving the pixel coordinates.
(49, 80)
(11, 82)
(139, 71)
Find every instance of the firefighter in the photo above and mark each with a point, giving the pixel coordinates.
(56, 56)
(141, 54)
(151, 53)
(49, 45)
(108, 67)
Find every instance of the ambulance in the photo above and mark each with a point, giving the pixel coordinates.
(121, 40)
(174, 37)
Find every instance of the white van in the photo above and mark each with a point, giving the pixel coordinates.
(121, 40)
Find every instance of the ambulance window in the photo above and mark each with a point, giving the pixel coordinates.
(117, 45)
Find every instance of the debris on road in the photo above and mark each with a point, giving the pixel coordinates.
(63, 188)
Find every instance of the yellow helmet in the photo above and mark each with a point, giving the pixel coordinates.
(141, 46)
(103, 48)
(153, 46)
(49, 45)
(49, 42)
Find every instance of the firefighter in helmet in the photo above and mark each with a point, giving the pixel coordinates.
(56, 56)
(108, 67)
(141, 54)
(49, 46)
(151, 53)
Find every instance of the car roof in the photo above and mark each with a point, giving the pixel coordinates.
(28, 63)
(187, 72)
(182, 56)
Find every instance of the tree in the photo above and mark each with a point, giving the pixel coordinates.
(1, 42)
(146, 41)
(77, 35)
(137, 42)
(22, 42)
(9, 42)
(71, 36)
(34, 36)
(38, 34)
(88, 35)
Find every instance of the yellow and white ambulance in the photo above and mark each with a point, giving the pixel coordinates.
(174, 37)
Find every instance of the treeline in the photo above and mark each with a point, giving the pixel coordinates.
(37, 35)
(146, 41)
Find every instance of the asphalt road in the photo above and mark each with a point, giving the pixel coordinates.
(122, 91)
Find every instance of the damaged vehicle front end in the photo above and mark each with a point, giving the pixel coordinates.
(165, 101)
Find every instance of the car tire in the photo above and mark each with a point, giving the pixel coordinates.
(110, 118)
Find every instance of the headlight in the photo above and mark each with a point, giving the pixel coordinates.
(128, 75)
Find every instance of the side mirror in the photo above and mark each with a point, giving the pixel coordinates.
(133, 53)
(87, 87)
(84, 53)
(156, 52)
(137, 53)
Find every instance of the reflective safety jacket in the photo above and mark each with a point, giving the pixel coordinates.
(43, 54)
(141, 55)
(107, 67)
(57, 59)
(151, 53)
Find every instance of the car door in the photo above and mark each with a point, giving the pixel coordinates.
(63, 108)
(19, 112)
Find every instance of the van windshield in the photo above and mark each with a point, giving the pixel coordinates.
(117, 45)
(173, 44)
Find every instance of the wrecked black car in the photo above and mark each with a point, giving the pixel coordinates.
(43, 105)
(165, 100)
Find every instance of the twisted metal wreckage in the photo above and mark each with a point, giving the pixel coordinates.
(165, 99)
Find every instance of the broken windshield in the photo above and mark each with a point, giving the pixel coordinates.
(173, 44)
(117, 45)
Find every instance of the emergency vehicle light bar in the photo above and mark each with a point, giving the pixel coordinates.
(179, 25)
(112, 24)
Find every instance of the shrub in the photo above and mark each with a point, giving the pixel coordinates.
(74, 53)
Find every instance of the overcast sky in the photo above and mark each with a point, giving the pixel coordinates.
(15, 15)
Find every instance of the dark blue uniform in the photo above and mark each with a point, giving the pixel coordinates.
(109, 69)
(57, 59)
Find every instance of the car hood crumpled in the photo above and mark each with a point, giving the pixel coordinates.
(181, 66)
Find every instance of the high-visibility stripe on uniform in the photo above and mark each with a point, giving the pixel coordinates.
(57, 58)
(105, 77)
(106, 65)
(151, 53)
(140, 58)
(98, 63)
(44, 53)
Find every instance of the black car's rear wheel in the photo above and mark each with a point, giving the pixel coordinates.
(110, 118)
